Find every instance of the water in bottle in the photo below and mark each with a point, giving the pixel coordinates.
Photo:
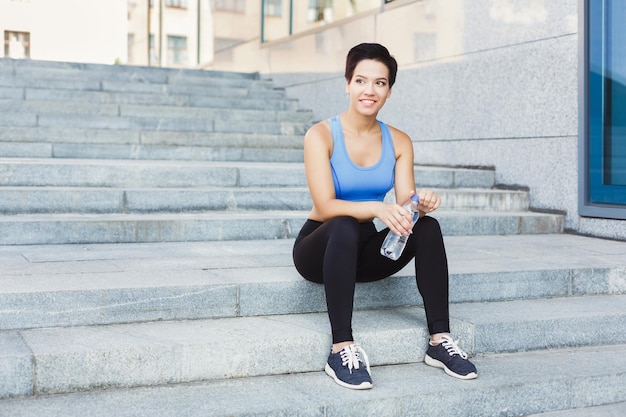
(394, 244)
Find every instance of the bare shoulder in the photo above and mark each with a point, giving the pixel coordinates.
(401, 140)
(319, 133)
(319, 128)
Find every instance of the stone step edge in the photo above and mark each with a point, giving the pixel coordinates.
(88, 67)
(233, 226)
(232, 292)
(83, 137)
(89, 161)
(179, 352)
(515, 384)
(12, 107)
(119, 199)
(254, 153)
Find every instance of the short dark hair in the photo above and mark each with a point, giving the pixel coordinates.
(374, 51)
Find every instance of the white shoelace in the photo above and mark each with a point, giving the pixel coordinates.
(351, 357)
(453, 349)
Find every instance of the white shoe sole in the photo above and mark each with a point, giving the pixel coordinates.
(331, 373)
(438, 364)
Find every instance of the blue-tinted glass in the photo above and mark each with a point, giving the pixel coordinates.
(615, 136)
(607, 101)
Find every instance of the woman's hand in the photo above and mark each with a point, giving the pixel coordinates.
(396, 218)
(429, 201)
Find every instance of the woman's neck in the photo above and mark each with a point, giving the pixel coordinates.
(358, 124)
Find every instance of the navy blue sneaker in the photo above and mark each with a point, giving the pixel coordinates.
(348, 369)
(451, 358)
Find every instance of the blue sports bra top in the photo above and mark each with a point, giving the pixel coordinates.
(357, 183)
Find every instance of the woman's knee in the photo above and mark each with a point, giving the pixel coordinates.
(428, 227)
(346, 227)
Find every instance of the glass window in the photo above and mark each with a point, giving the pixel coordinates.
(154, 58)
(273, 8)
(176, 50)
(320, 10)
(16, 45)
(604, 149)
(238, 6)
(176, 3)
(293, 17)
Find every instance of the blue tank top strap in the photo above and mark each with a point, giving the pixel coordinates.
(335, 125)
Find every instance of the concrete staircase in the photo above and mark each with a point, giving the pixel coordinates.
(147, 218)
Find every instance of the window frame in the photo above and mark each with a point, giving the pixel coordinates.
(7, 40)
(177, 52)
(589, 159)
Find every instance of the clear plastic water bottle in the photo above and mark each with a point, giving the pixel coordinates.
(394, 244)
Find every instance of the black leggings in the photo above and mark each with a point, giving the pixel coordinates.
(341, 251)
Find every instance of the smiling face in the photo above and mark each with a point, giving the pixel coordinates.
(369, 87)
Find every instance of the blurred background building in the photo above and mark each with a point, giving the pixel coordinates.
(65, 30)
(534, 88)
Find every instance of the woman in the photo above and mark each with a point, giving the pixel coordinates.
(351, 162)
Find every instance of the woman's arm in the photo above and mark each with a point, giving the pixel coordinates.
(405, 175)
(318, 145)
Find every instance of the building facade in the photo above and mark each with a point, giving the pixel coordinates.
(64, 30)
(170, 33)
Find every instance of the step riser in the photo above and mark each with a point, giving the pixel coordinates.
(292, 296)
(15, 232)
(422, 388)
(232, 154)
(122, 175)
(120, 82)
(144, 230)
(12, 93)
(188, 361)
(153, 124)
(68, 110)
(157, 83)
(89, 137)
(158, 353)
(115, 174)
(212, 88)
(38, 69)
(25, 200)
(255, 100)
(134, 152)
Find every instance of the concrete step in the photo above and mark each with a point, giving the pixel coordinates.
(11, 93)
(140, 173)
(75, 78)
(70, 109)
(609, 410)
(123, 173)
(34, 68)
(151, 152)
(141, 80)
(65, 228)
(74, 285)
(509, 384)
(153, 123)
(255, 99)
(79, 81)
(85, 137)
(156, 353)
(17, 200)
